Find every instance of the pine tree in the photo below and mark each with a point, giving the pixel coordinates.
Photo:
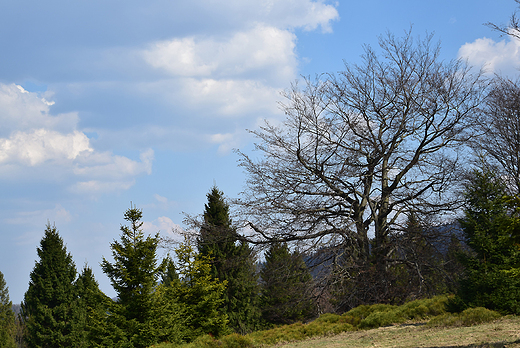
(233, 262)
(134, 275)
(492, 227)
(50, 307)
(286, 286)
(7, 318)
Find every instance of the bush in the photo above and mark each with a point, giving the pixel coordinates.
(469, 317)
(368, 317)
(237, 341)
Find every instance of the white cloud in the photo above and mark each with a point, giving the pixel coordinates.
(162, 224)
(41, 140)
(228, 141)
(40, 145)
(161, 199)
(94, 187)
(21, 111)
(263, 50)
(231, 97)
(306, 14)
(106, 165)
(496, 57)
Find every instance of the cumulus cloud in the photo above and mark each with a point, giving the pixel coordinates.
(231, 97)
(40, 145)
(21, 111)
(161, 224)
(496, 57)
(40, 139)
(264, 50)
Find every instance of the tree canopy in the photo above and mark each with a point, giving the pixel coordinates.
(359, 149)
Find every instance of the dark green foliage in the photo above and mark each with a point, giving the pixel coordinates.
(50, 308)
(134, 275)
(7, 318)
(99, 329)
(233, 262)
(169, 276)
(492, 227)
(286, 286)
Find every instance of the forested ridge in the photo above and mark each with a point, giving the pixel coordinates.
(394, 180)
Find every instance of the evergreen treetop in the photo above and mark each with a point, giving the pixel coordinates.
(232, 261)
(134, 274)
(50, 307)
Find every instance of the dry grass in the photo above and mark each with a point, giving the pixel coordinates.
(504, 332)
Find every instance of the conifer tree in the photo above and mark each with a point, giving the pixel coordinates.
(7, 318)
(492, 227)
(200, 293)
(233, 262)
(169, 276)
(134, 275)
(50, 308)
(98, 327)
(286, 286)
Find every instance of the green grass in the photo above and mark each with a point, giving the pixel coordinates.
(431, 311)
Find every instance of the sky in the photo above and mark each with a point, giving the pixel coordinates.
(104, 104)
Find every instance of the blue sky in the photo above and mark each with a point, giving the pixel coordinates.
(107, 102)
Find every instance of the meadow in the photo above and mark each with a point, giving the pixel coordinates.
(421, 323)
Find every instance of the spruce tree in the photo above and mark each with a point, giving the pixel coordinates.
(98, 327)
(7, 318)
(134, 275)
(233, 262)
(169, 276)
(286, 286)
(50, 307)
(492, 227)
(200, 294)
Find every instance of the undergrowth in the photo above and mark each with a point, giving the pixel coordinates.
(359, 318)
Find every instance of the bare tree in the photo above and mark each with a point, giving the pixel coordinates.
(499, 143)
(360, 148)
(512, 28)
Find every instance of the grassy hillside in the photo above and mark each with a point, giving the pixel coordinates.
(504, 332)
(422, 323)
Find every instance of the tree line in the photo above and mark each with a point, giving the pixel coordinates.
(395, 179)
(209, 286)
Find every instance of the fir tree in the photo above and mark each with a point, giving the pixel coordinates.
(134, 275)
(233, 262)
(492, 227)
(286, 286)
(50, 308)
(98, 325)
(169, 276)
(7, 318)
(200, 293)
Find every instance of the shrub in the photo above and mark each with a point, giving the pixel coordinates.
(367, 317)
(470, 316)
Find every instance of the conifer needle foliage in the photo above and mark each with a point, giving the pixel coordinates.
(50, 308)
